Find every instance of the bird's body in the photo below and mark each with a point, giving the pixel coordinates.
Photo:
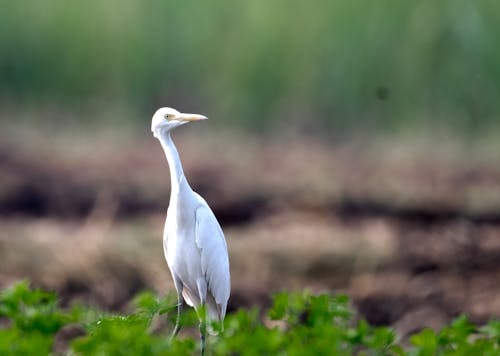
(193, 241)
(196, 262)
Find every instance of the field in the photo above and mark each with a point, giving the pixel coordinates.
(351, 157)
(415, 245)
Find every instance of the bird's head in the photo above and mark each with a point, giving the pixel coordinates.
(166, 119)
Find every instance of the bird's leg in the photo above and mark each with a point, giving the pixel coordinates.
(180, 302)
(203, 331)
(202, 311)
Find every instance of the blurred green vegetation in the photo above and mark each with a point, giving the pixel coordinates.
(324, 66)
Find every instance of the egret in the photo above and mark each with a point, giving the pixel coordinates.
(193, 241)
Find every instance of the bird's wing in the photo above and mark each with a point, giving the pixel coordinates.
(214, 257)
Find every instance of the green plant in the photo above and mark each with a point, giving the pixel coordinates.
(34, 318)
(298, 323)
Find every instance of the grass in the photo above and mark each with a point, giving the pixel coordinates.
(333, 68)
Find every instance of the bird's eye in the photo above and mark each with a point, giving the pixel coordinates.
(166, 117)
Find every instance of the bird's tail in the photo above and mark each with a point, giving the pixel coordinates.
(212, 315)
(211, 312)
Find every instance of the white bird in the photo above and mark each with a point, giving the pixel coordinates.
(193, 241)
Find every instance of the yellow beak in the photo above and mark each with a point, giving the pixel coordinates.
(192, 117)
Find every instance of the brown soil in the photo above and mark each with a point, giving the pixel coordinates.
(414, 239)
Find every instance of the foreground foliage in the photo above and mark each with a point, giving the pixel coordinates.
(296, 324)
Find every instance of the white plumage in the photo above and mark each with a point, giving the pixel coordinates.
(193, 242)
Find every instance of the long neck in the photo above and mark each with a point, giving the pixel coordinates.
(174, 162)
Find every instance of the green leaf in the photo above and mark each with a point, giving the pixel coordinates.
(32, 309)
(426, 342)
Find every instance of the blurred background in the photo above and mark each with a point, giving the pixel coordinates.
(352, 146)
